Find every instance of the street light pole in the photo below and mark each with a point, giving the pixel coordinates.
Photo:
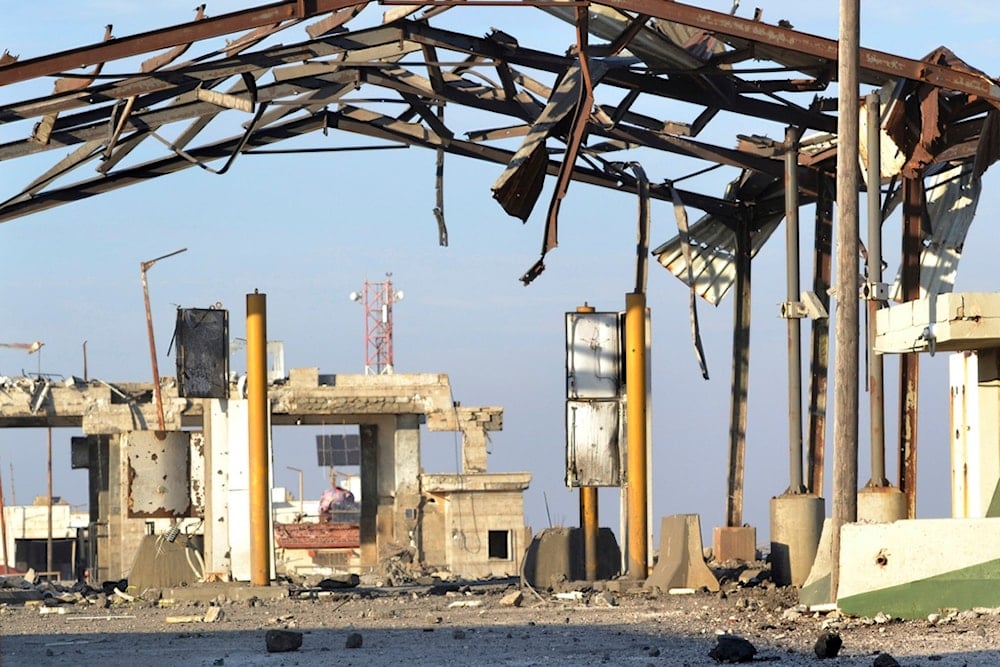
(144, 267)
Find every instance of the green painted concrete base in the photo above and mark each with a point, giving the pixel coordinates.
(976, 586)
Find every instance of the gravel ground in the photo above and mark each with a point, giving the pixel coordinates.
(478, 624)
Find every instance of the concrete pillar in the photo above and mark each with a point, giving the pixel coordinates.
(97, 477)
(796, 525)
(369, 493)
(975, 428)
(407, 478)
(473, 449)
(227, 484)
(123, 534)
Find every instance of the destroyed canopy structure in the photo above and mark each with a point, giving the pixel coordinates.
(391, 82)
(632, 79)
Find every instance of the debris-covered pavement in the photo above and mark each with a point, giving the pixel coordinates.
(352, 621)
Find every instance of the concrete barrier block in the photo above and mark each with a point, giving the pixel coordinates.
(734, 543)
(682, 561)
(556, 554)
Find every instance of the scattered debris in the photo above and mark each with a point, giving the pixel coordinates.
(465, 603)
(339, 581)
(512, 599)
(604, 599)
(444, 588)
(282, 641)
(828, 645)
(213, 614)
(571, 596)
(885, 660)
(183, 619)
(52, 610)
(731, 649)
(118, 593)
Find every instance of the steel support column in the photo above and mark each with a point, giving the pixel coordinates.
(589, 521)
(635, 391)
(740, 381)
(845, 392)
(589, 526)
(794, 324)
(819, 364)
(257, 406)
(876, 379)
(909, 364)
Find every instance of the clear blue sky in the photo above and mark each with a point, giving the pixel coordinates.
(308, 229)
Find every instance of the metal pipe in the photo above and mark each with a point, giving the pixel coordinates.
(157, 396)
(589, 525)
(819, 369)
(845, 392)
(48, 540)
(876, 365)
(257, 407)
(909, 364)
(3, 527)
(635, 397)
(741, 380)
(794, 324)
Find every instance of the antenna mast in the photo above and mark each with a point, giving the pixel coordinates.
(378, 300)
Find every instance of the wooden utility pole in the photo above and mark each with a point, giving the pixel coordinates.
(845, 396)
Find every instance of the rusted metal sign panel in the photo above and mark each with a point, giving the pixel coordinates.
(158, 473)
(317, 535)
(202, 336)
(593, 451)
(79, 452)
(593, 357)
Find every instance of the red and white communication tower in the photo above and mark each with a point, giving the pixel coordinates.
(378, 299)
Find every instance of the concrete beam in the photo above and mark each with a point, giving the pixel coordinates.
(948, 323)
(105, 408)
(502, 481)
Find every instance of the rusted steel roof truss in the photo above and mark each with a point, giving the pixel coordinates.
(390, 83)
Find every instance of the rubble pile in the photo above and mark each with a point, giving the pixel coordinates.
(30, 590)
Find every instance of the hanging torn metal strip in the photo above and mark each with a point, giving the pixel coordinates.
(680, 214)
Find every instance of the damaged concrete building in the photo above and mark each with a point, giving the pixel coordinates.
(640, 79)
(143, 481)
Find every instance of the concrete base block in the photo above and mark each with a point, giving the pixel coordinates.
(817, 589)
(556, 554)
(159, 564)
(913, 568)
(881, 504)
(738, 543)
(796, 524)
(681, 563)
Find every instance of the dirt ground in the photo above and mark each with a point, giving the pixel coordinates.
(479, 623)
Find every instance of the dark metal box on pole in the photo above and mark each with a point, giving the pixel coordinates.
(202, 336)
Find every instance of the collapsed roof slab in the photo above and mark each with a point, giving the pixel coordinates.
(100, 407)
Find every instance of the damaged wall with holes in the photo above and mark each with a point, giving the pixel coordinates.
(195, 473)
